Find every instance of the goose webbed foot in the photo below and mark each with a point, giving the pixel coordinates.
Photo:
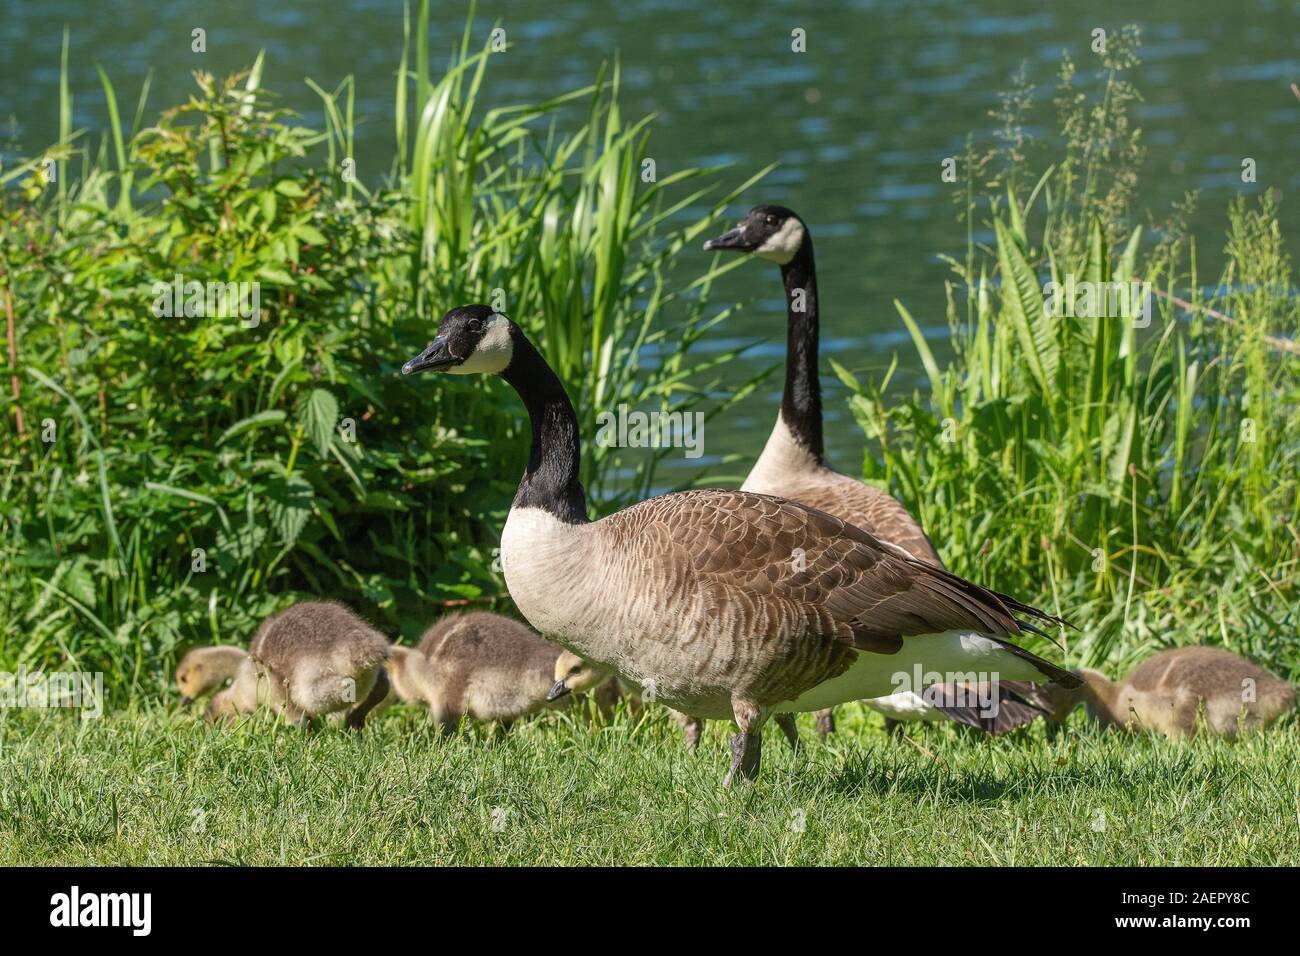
(825, 723)
(790, 729)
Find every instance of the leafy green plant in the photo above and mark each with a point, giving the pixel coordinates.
(196, 453)
(1140, 480)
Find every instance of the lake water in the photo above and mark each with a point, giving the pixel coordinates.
(859, 123)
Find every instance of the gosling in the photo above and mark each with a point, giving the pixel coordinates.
(574, 675)
(206, 669)
(477, 665)
(1165, 694)
(315, 659)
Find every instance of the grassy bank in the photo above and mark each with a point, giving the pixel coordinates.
(159, 787)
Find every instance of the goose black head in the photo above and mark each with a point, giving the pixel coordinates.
(772, 232)
(472, 338)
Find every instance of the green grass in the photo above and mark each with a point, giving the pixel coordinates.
(134, 788)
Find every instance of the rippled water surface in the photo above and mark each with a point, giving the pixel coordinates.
(859, 123)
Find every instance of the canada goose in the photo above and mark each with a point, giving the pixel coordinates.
(793, 463)
(701, 592)
(314, 659)
(1165, 693)
(574, 675)
(478, 665)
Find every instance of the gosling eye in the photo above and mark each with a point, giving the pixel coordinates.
(573, 671)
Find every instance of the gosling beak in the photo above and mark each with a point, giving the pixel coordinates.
(558, 691)
(735, 239)
(433, 358)
(186, 701)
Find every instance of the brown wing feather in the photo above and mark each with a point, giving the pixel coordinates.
(796, 581)
(862, 506)
(1016, 707)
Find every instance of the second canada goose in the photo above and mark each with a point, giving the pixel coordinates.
(1166, 692)
(314, 659)
(730, 604)
(793, 463)
(478, 665)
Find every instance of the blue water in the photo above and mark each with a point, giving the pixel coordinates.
(859, 123)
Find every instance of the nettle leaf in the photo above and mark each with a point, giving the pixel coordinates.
(237, 546)
(318, 415)
(275, 276)
(291, 503)
(260, 420)
(309, 234)
(287, 187)
(80, 583)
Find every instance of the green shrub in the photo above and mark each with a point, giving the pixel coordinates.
(1142, 482)
(179, 476)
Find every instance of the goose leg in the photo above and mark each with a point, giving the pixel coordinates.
(692, 728)
(791, 731)
(825, 723)
(894, 728)
(357, 716)
(747, 745)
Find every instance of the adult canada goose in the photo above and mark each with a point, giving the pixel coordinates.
(574, 675)
(478, 665)
(729, 603)
(1165, 693)
(314, 659)
(793, 463)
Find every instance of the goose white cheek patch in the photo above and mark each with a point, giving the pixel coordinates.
(493, 352)
(782, 246)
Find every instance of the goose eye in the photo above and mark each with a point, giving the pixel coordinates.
(771, 220)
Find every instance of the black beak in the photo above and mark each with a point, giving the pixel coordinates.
(558, 691)
(186, 701)
(735, 239)
(433, 358)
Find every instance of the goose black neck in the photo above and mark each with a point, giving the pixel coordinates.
(551, 479)
(801, 404)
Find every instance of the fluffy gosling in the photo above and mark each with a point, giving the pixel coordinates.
(1165, 693)
(574, 675)
(315, 659)
(478, 665)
